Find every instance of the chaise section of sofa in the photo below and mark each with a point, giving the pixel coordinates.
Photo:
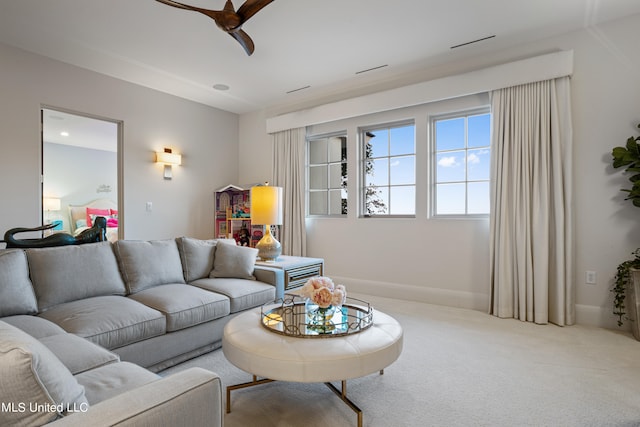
(189, 398)
(63, 379)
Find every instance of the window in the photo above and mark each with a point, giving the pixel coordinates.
(327, 175)
(389, 170)
(461, 163)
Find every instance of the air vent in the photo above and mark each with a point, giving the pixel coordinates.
(371, 69)
(473, 41)
(300, 88)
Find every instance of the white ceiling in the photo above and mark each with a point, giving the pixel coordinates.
(299, 43)
(60, 127)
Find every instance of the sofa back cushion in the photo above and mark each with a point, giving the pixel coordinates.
(196, 256)
(16, 291)
(70, 273)
(148, 263)
(33, 381)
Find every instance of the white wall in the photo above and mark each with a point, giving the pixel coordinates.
(206, 137)
(446, 261)
(256, 156)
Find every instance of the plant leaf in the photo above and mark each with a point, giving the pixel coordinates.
(632, 146)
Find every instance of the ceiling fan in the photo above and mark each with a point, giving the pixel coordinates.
(228, 19)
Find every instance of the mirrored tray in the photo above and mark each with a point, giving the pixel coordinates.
(293, 318)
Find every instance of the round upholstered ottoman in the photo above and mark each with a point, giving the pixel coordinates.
(254, 349)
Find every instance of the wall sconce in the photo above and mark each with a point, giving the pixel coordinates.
(169, 159)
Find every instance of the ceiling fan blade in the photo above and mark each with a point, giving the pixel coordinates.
(250, 8)
(176, 4)
(244, 40)
(228, 20)
(213, 14)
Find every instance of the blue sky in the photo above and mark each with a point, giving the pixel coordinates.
(455, 164)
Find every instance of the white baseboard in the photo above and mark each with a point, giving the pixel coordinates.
(601, 317)
(446, 297)
(588, 315)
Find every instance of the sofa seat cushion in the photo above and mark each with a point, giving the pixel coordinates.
(111, 380)
(31, 375)
(145, 264)
(16, 293)
(243, 294)
(110, 321)
(78, 354)
(70, 273)
(35, 326)
(184, 305)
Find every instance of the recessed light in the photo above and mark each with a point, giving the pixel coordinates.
(64, 133)
(220, 86)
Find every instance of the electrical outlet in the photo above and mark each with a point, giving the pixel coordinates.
(590, 278)
(149, 206)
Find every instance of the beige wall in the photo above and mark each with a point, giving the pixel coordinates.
(206, 137)
(444, 261)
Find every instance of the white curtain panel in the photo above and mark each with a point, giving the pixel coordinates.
(289, 173)
(531, 203)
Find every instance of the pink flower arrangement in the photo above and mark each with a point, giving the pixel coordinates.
(323, 292)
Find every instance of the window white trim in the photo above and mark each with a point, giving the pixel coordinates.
(538, 68)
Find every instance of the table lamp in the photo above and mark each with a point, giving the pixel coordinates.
(266, 209)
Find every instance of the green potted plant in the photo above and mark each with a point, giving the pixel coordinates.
(622, 283)
(629, 156)
(625, 283)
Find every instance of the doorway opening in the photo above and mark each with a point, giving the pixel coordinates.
(81, 172)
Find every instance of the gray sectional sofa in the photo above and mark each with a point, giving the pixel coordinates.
(84, 329)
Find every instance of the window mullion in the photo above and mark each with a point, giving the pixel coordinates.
(466, 165)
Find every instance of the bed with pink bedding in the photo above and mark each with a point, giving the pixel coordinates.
(82, 216)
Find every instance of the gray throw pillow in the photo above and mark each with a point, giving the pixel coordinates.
(16, 292)
(37, 385)
(234, 261)
(196, 256)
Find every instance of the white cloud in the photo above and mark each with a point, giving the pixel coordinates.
(395, 163)
(447, 162)
(473, 159)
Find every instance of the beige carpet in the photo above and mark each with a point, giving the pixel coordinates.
(462, 368)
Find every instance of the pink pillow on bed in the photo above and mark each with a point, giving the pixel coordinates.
(92, 213)
(112, 222)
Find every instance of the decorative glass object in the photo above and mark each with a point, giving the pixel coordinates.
(296, 316)
(320, 319)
